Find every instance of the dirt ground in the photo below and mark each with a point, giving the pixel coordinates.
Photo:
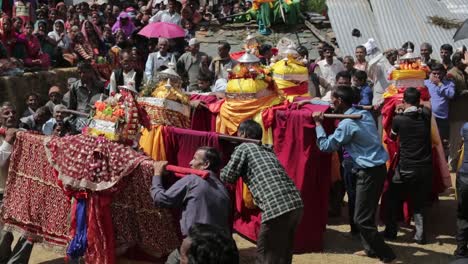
(338, 247)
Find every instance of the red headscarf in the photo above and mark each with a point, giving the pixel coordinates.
(96, 30)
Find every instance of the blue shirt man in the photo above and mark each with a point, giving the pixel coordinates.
(359, 137)
(441, 92)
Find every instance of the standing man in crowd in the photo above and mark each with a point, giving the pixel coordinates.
(446, 52)
(32, 102)
(361, 63)
(168, 15)
(126, 75)
(462, 200)
(222, 62)
(273, 192)
(37, 120)
(83, 90)
(204, 201)
(457, 115)
(23, 248)
(361, 141)
(189, 64)
(413, 175)
(157, 59)
(441, 90)
(426, 51)
(329, 67)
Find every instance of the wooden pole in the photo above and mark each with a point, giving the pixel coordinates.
(73, 112)
(239, 139)
(342, 116)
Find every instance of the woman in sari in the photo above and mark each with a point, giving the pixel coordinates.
(93, 36)
(82, 48)
(9, 38)
(124, 24)
(34, 55)
(47, 44)
(59, 35)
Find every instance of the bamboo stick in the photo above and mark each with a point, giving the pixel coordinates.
(342, 116)
(73, 112)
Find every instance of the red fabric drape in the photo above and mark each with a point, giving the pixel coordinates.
(180, 144)
(295, 145)
(203, 119)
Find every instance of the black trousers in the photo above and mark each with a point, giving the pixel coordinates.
(276, 239)
(415, 183)
(369, 185)
(462, 213)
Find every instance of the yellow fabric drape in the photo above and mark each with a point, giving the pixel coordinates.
(152, 143)
(233, 112)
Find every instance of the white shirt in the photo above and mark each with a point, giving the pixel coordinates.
(329, 72)
(165, 16)
(378, 69)
(127, 77)
(5, 153)
(64, 43)
(48, 127)
(155, 60)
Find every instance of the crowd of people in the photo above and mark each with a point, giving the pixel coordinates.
(36, 36)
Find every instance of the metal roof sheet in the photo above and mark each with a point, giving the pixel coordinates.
(348, 15)
(393, 22)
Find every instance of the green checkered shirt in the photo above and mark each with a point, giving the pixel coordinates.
(272, 189)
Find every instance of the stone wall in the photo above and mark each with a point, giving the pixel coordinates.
(15, 88)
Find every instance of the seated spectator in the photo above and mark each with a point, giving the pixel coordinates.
(55, 98)
(17, 24)
(59, 35)
(34, 57)
(108, 38)
(126, 75)
(82, 48)
(47, 44)
(58, 117)
(9, 38)
(37, 120)
(125, 24)
(208, 244)
(93, 37)
(32, 102)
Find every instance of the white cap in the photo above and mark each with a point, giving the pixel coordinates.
(193, 41)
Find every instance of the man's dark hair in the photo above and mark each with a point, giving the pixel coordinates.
(251, 129)
(328, 48)
(84, 66)
(225, 45)
(343, 74)
(438, 67)
(210, 245)
(457, 58)
(362, 47)
(213, 156)
(360, 75)
(32, 94)
(346, 93)
(204, 77)
(447, 47)
(412, 96)
(303, 51)
(408, 44)
(264, 48)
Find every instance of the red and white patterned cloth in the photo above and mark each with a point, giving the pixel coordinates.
(35, 203)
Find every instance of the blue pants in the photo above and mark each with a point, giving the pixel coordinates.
(349, 178)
